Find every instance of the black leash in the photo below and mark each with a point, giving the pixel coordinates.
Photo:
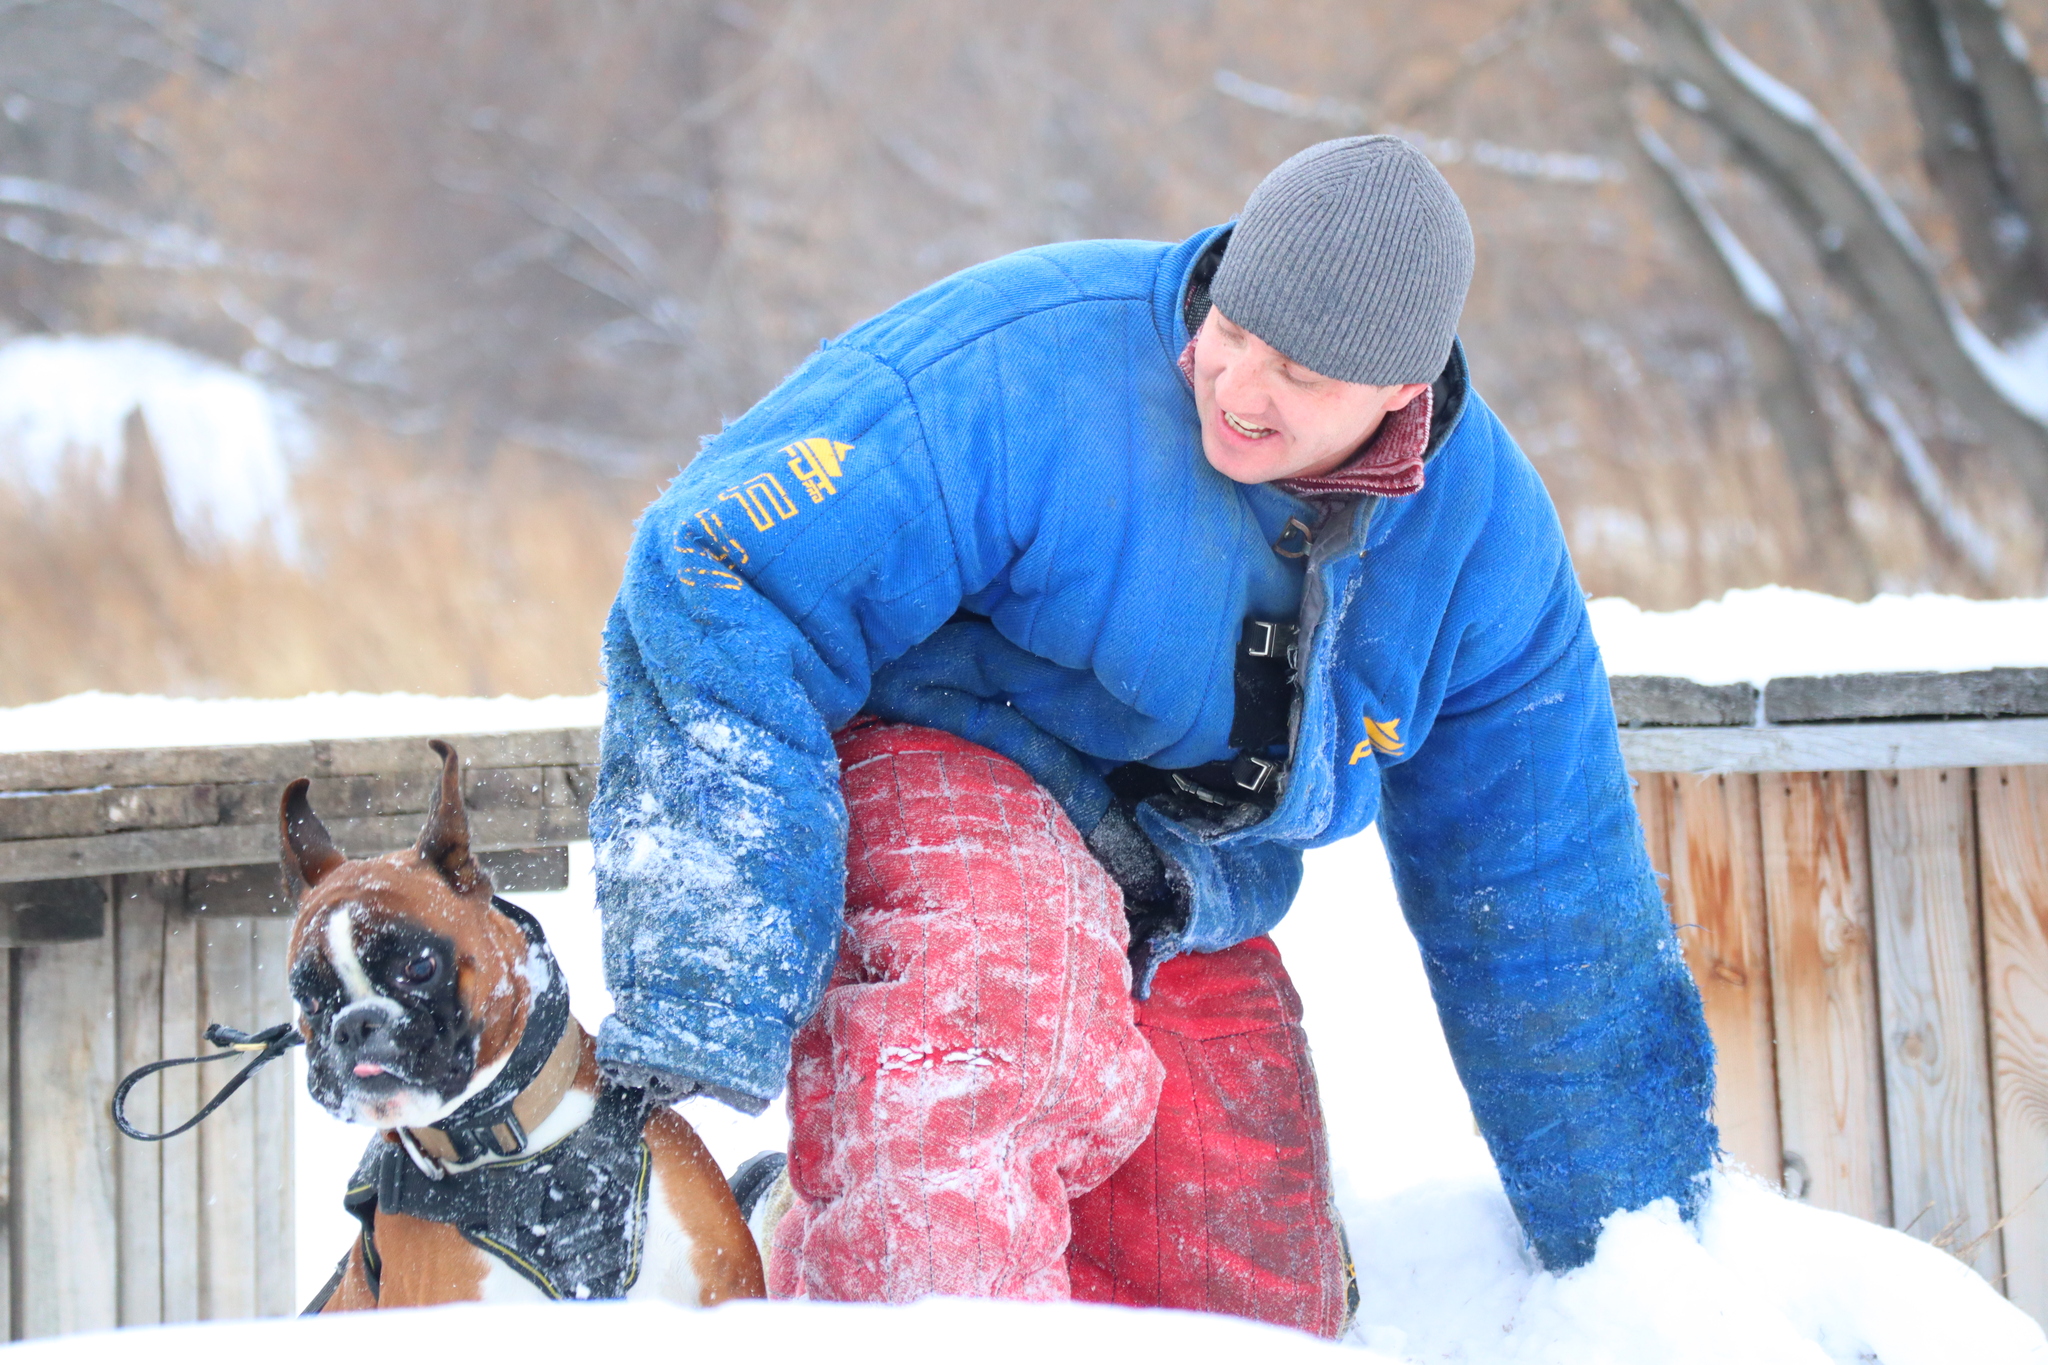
(268, 1045)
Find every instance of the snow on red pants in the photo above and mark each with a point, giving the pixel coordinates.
(978, 1067)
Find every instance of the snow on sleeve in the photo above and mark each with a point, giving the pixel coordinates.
(1756, 634)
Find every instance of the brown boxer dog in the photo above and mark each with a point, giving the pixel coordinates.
(508, 1168)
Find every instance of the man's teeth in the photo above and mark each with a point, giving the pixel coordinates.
(1245, 428)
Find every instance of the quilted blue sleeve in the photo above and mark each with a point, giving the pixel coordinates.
(1519, 859)
(804, 547)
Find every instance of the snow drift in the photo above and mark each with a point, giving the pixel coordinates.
(225, 442)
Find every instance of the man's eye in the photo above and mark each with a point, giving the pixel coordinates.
(420, 970)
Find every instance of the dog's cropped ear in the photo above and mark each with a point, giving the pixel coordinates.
(304, 846)
(444, 843)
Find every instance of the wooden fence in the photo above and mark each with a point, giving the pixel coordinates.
(1862, 888)
(1859, 870)
(139, 900)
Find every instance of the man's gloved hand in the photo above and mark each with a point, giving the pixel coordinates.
(660, 1086)
(1157, 912)
(665, 1087)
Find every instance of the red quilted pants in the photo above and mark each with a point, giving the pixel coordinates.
(972, 1108)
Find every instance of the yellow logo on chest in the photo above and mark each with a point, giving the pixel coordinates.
(1381, 735)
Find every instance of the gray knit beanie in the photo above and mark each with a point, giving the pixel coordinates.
(1352, 258)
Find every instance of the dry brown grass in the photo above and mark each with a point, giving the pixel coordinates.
(419, 576)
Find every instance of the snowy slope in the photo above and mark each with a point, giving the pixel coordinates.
(225, 443)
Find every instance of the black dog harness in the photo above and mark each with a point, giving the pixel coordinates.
(570, 1218)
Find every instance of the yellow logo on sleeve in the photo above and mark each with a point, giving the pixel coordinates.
(817, 461)
(1381, 735)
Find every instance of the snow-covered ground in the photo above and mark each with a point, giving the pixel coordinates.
(1443, 1274)
(1441, 1267)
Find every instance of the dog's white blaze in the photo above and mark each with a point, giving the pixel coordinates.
(348, 964)
(668, 1259)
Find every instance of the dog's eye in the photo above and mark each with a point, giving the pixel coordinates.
(419, 970)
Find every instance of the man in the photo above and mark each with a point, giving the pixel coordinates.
(1047, 617)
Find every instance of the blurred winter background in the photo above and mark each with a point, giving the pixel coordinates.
(340, 343)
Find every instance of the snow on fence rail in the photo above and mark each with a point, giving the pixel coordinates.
(1858, 866)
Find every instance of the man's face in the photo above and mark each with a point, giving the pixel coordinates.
(1265, 417)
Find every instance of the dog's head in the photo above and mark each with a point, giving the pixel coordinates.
(412, 990)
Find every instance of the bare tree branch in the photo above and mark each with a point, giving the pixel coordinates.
(1834, 554)
(1960, 152)
(140, 241)
(1951, 523)
(1861, 236)
(1997, 60)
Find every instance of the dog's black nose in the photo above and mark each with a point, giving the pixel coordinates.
(359, 1023)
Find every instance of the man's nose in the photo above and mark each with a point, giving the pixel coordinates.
(1239, 389)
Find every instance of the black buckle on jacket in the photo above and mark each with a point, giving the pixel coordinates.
(1247, 780)
(1273, 640)
(1253, 774)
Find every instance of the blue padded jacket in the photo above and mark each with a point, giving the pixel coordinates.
(1018, 441)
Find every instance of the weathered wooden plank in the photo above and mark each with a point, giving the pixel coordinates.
(1717, 901)
(182, 1027)
(67, 910)
(141, 903)
(527, 869)
(1931, 998)
(227, 1140)
(2012, 825)
(1871, 696)
(250, 891)
(1824, 991)
(29, 815)
(1867, 747)
(1680, 701)
(49, 815)
(74, 769)
(66, 1248)
(271, 1176)
(168, 850)
(8, 1222)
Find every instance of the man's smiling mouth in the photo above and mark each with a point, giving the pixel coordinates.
(1246, 429)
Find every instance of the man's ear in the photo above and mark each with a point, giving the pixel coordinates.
(444, 843)
(1403, 395)
(306, 850)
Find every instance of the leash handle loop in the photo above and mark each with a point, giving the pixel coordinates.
(267, 1045)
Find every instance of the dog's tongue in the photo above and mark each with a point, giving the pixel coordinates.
(368, 1069)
